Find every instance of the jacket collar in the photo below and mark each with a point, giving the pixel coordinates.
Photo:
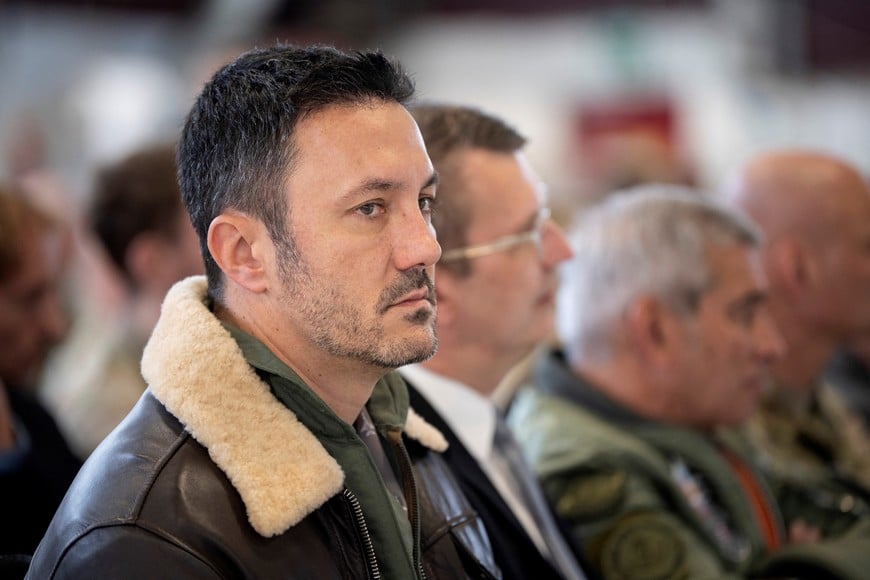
(197, 371)
(555, 377)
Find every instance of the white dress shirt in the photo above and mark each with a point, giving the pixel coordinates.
(473, 418)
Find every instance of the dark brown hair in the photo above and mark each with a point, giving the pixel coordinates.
(135, 195)
(448, 129)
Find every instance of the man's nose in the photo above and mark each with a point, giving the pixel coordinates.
(770, 344)
(415, 242)
(555, 248)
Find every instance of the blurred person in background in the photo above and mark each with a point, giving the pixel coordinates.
(273, 440)
(667, 339)
(137, 214)
(496, 290)
(92, 287)
(36, 465)
(814, 210)
(849, 373)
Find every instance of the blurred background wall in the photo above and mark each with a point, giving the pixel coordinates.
(609, 92)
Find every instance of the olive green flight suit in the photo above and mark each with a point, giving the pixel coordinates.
(649, 500)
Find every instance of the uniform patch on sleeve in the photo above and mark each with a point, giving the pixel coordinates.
(643, 546)
(591, 495)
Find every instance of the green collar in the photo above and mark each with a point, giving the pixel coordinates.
(388, 404)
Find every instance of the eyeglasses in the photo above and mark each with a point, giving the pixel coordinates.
(503, 243)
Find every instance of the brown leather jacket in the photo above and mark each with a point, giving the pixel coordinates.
(211, 477)
(154, 500)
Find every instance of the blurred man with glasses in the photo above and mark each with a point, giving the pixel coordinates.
(503, 243)
(495, 284)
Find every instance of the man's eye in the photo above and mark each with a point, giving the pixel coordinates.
(745, 316)
(426, 204)
(369, 209)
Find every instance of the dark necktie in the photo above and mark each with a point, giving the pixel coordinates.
(526, 486)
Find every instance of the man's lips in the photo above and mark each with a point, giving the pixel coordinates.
(414, 298)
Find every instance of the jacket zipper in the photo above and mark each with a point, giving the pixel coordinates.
(366, 537)
(409, 485)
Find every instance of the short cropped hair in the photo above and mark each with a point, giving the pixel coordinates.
(237, 146)
(649, 240)
(138, 194)
(448, 129)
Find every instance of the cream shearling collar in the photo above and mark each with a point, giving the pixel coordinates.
(197, 371)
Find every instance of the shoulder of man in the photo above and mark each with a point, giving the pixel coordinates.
(588, 494)
(641, 544)
(622, 519)
(618, 497)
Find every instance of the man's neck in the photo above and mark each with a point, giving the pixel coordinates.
(480, 371)
(144, 311)
(805, 360)
(627, 384)
(808, 350)
(343, 384)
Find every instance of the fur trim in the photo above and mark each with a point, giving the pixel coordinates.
(417, 428)
(195, 368)
(197, 371)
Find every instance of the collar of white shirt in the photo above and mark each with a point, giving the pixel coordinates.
(473, 418)
(468, 413)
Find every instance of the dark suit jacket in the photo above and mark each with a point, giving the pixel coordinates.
(515, 552)
(31, 490)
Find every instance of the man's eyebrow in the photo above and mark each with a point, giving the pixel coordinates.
(433, 180)
(377, 184)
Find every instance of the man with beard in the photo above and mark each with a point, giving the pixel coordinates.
(496, 288)
(273, 441)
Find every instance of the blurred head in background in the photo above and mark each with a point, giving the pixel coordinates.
(138, 215)
(32, 315)
(664, 307)
(497, 275)
(814, 210)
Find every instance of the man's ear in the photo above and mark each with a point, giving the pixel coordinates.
(651, 329)
(240, 245)
(790, 263)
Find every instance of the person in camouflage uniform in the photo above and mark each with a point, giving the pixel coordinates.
(668, 339)
(814, 211)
